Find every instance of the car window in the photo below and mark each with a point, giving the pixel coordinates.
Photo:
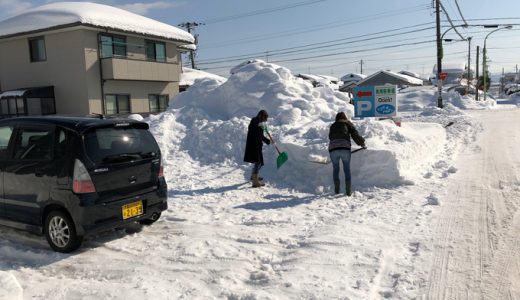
(33, 144)
(110, 145)
(63, 143)
(5, 136)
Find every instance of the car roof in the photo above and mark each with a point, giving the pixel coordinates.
(76, 123)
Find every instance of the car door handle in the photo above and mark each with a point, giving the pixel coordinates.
(39, 173)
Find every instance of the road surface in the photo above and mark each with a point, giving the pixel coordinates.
(477, 242)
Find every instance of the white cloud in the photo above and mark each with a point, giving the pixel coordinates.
(9, 8)
(143, 8)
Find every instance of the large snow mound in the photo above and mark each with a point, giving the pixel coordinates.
(209, 123)
(66, 13)
(188, 76)
(419, 98)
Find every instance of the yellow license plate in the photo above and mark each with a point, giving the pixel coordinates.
(132, 209)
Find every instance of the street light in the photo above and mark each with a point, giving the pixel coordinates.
(484, 64)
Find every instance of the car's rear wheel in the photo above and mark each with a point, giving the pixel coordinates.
(151, 220)
(60, 232)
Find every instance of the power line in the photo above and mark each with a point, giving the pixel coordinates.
(261, 11)
(304, 30)
(451, 22)
(460, 12)
(354, 51)
(320, 45)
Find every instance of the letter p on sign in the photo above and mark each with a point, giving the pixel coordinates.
(364, 108)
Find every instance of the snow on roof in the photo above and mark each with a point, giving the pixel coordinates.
(353, 77)
(408, 73)
(409, 79)
(188, 47)
(50, 16)
(188, 76)
(331, 78)
(310, 77)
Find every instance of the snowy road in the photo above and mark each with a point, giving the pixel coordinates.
(477, 244)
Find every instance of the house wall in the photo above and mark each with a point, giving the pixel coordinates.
(138, 90)
(73, 68)
(64, 69)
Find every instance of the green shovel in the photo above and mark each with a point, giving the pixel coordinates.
(282, 156)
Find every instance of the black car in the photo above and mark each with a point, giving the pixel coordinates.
(70, 177)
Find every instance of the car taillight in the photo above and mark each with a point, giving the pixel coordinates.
(161, 170)
(82, 183)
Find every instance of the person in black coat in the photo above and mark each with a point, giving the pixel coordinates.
(339, 149)
(254, 144)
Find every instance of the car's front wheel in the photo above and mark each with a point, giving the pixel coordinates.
(61, 233)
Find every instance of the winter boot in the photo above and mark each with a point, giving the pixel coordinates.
(348, 189)
(336, 186)
(256, 182)
(259, 178)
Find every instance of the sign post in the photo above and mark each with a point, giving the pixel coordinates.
(375, 101)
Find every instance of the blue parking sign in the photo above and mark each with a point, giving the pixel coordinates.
(364, 101)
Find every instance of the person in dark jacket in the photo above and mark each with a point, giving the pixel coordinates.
(254, 144)
(339, 149)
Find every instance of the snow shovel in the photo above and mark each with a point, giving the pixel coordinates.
(282, 156)
(328, 161)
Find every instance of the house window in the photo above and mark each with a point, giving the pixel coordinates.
(117, 104)
(155, 51)
(158, 103)
(112, 45)
(37, 49)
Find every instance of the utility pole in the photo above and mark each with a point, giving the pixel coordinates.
(478, 54)
(189, 26)
(439, 53)
(361, 66)
(469, 65)
(502, 83)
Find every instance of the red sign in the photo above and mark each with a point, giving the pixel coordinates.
(443, 75)
(361, 94)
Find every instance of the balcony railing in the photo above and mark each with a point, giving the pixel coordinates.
(115, 68)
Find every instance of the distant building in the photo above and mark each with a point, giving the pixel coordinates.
(84, 58)
(387, 77)
(455, 71)
(350, 80)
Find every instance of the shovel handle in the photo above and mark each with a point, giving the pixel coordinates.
(272, 141)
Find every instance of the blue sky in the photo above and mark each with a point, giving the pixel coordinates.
(331, 37)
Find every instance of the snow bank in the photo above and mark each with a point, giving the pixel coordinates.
(10, 288)
(211, 120)
(188, 76)
(419, 98)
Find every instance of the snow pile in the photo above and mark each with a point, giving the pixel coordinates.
(10, 287)
(419, 98)
(188, 76)
(52, 15)
(211, 119)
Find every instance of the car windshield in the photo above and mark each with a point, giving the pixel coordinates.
(119, 144)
